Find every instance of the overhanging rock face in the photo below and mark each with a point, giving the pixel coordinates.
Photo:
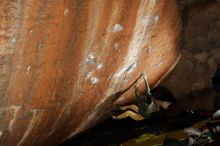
(65, 64)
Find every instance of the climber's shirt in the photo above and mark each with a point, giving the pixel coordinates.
(144, 104)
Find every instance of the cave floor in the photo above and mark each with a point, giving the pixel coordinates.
(124, 132)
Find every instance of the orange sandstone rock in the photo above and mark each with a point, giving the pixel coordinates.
(65, 64)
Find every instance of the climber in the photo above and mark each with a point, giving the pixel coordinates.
(216, 86)
(144, 105)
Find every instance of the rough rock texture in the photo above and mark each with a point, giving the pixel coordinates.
(64, 64)
(200, 54)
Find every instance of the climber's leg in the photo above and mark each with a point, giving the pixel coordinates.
(132, 107)
(130, 114)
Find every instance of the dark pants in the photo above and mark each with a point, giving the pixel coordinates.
(217, 103)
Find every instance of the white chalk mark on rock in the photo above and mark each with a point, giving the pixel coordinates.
(127, 70)
(140, 37)
(94, 80)
(39, 45)
(145, 20)
(89, 75)
(99, 65)
(117, 28)
(156, 18)
(116, 46)
(90, 58)
(131, 68)
(66, 11)
(28, 68)
(14, 40)
(117, 75)
(31, 32)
